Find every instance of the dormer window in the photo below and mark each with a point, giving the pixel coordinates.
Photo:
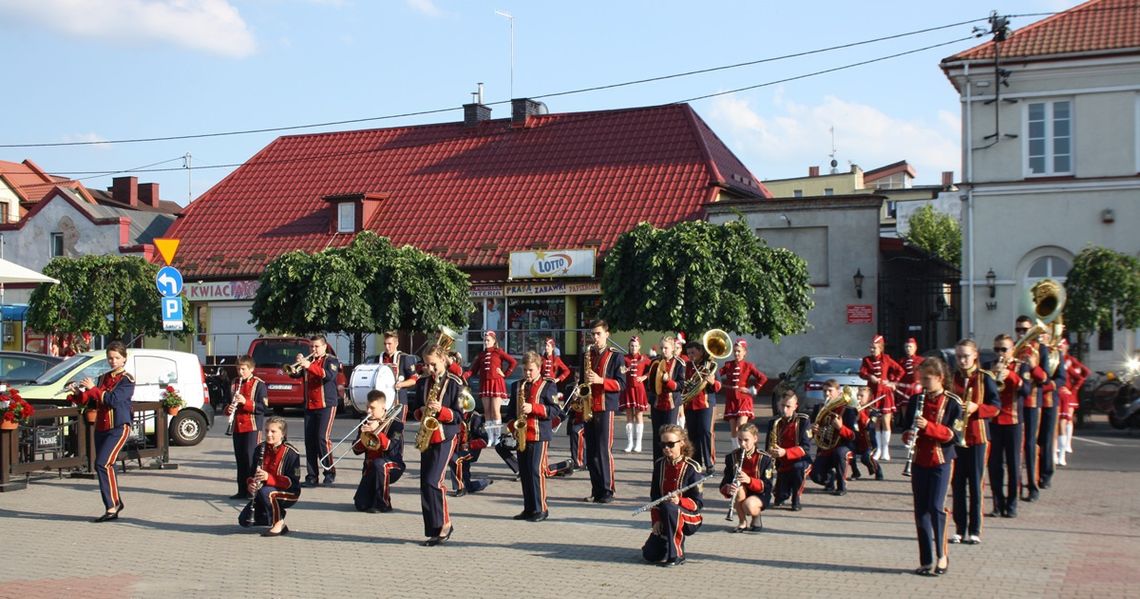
(346, 217)
(351, 212)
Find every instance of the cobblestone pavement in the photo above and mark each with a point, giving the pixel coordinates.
(178, 536)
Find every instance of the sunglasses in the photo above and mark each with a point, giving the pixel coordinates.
(1001, 350)
(1020, 331)
(669, 444)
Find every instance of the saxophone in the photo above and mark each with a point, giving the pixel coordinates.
(521, 422)
(429, 424)
(774, 438)
(585, 401)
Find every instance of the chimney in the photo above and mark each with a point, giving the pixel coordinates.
(475, 112)
(524, 108)
(813, 171)
(148, 194)
(125, 190)
(947, 179)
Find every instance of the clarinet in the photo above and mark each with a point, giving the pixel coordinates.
(233, 409)
(913, 435)
(258, 484)
(735, 488)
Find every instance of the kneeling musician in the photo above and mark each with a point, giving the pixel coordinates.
(747, 481)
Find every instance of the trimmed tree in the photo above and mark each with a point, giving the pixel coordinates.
(1102, 291)
(936, 233)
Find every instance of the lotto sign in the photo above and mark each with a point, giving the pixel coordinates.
(172, 313)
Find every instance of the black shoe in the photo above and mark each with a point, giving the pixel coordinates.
(1011, 513)
(940, 570)
(523, 516)
(329, 481)
(309, 483)
(107, 517)
(738, 529)
(796, 507)
(604, 499)
(270, 533)
(372, 510)
(840, 492)
(1033, 496)
(879, 474)
(669, 563)
(459, 493)
(538, 517)
(925, 571)
(756, 528)
(385, 510)
(1044, 484)
(432, 542)
(996, 513)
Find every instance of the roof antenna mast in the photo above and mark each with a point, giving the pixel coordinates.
(511, 18)
(834, 162)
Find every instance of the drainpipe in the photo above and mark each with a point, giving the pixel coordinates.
(967, 178)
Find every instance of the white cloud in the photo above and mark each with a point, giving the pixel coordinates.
(425, 7)
(212, 26)
(795, 136)
(90, 136)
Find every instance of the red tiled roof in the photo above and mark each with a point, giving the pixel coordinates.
(567, 180)
(30, 182)
(1095, 26)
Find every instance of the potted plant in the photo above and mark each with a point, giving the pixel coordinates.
(171, 400)
(13, 408)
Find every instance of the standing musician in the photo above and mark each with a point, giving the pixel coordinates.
(437, 396)
(830, 467)
(935, 438)
(488, 366)
(680, 515)
(750, 490)
(666, 376)
(740, 381)
(699, 410)
(979, 394)
(1052, 362)
(633, 398)
(384, 463)
(471, 441)
(1075, 376)
(275, 484)
(111, 397)
(403, 366)
(865, 442)
(553, 367)
(534, 408)
(910, 384)
(1005, 428)
(881, 374)
(248, 408)
(788, 441)
(318, 380)
(606, 384)
(1033, 376)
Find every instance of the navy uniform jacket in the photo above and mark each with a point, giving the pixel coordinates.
(668, 477)
(846, 430)
(760, 468)
(250, 416)
(795, 439)
(544, 404)
(283, 465)
(112, 397)
(391, 443)
(1057, 378)
(405, 370)
(450, 412)
(669, 396)
(608, 365)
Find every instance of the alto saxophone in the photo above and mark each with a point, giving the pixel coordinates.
(428, 423)
(521, 421)
(774, 438)
(585, 401)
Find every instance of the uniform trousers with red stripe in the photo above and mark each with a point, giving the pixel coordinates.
(928, 486)
(267, 508)
(245, 444)
(1031, 419)
(107, 446)
(699, 425)
(599, 454)
(318, 427)
(577, 433)
(532, 475)
(374, 490)
(791, 483)
(433, 488)
(1005, 466)
(676, 524)
(967, 485)
(659, 418)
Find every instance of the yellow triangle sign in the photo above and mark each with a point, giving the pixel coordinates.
(166, 247)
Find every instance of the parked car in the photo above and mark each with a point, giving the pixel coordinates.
(807, 375)
(272, 354)
(18, 368)
(153, 370)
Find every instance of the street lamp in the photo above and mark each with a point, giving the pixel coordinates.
(858, 278)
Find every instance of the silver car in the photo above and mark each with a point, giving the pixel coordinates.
(807, 375)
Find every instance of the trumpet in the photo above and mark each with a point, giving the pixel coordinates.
(294, 369)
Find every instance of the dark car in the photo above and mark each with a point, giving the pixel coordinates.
(17, 367)
(807, 375)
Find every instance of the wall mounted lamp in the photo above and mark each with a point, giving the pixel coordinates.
(858, 278)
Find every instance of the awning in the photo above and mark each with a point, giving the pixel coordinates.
(14, 311)
(10, 272)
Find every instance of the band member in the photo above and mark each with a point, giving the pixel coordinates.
(1075, 376)
(606, 385)
(404, 366)
(455, 363)
(1033, 376)
(1005, 443)
(699, 409)
(437, 396)
(111, 398)
(830, 467)
(909, 385)
(634, 401)
(740, 381)
(276, 482)
(881, 373)
(680, 515)
(749, 488)
(248, 408)
(576, 430)
(535, 405)
(318, 380)
(1053, 364)
(865, 441)
(934, 445)
(788, 441)
(488, 366)
(384, 461)
(666, 375)
(979, 394)
(469, 446)
(553, 367)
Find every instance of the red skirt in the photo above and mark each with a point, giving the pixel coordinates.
(737, 405)
(1068, 404)
(493, 388)
(634, 397)
(887, 405)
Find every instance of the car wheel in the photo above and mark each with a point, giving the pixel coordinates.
(187, 428)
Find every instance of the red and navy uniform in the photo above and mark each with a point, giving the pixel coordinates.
(979, 388)
(404, 368)
(1047, 435)
(488, 366)
(434, 461)
(698, 421)
(634, 397)
(760, 468)
(1075, 376)
(249, 422)
(910, 384)
(1034, 377)
(532, 460)
(382, 467)
(931, 467)
(739, 374)
(672, 522)
(111, 397)
(319, 384)
(554, 368)
(878, 372)
(472, 440)
(830, 465)
(599, 435)
(792, 469)
(281, 490)
(665, 395)
(1005, 444)
(865, 443)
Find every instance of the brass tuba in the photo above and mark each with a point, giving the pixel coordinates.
(446, 337)
(828, 436)
(1046, 301)
(718, 345)
(429, 424)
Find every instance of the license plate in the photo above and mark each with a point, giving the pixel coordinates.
(280, 387)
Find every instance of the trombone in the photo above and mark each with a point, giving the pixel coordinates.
(369, 439)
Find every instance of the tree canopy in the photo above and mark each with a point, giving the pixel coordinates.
(1102, 291)
(936, 233)
(696, 275)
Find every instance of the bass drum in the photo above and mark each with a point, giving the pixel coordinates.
(369, 377)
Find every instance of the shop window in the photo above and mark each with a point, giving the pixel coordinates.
(530, 320)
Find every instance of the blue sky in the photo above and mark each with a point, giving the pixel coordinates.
(96, 70)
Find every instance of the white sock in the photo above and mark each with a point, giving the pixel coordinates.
(1068, 437)
(628, 437)
(887, 446)
(878, 445)
(639, 433)
(496, 432)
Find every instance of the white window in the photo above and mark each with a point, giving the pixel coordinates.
(1049, 138)
(828, 191)
(56, 245)
(1048, 267)
(345, 217)
(797, 193)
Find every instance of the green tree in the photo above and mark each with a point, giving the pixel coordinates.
(936, 233)
(1102, 291)
(106, 295)
(696, 275)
